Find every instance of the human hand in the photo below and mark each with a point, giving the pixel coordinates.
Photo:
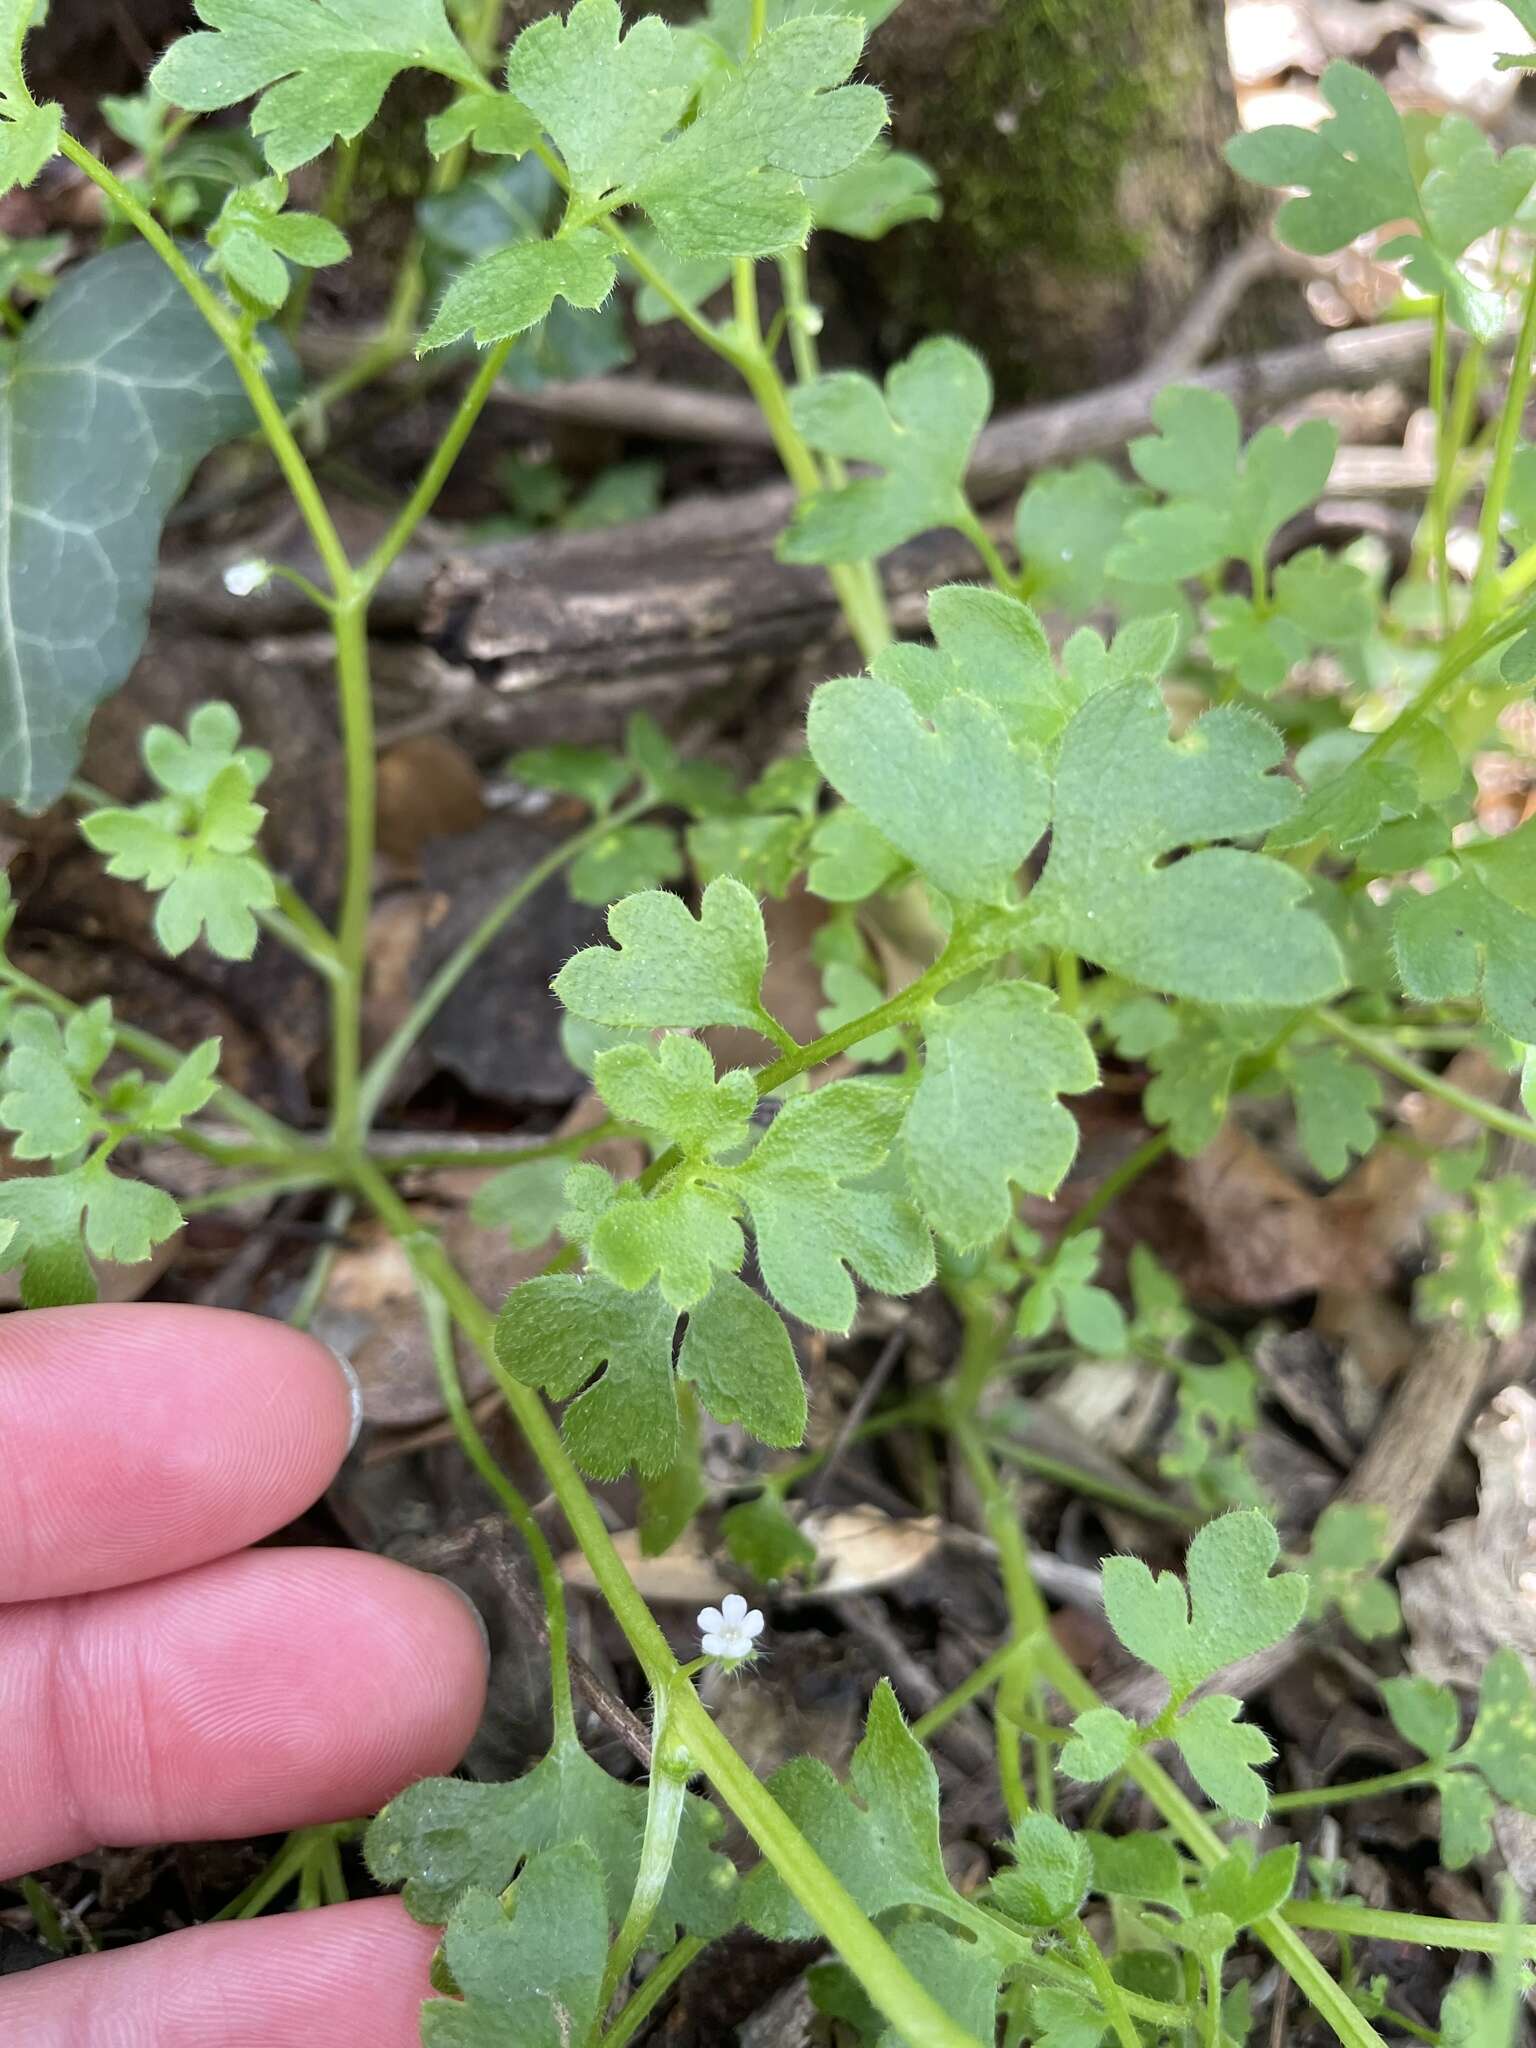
(161, 1682)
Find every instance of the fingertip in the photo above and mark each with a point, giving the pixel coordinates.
(351, 1976)
(140, 1439)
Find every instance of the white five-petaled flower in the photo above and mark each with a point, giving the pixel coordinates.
(244, 579)
(730, 1631)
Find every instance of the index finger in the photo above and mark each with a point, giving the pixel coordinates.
(140, 1439)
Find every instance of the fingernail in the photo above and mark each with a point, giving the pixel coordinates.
(485, 1634)
(348, 1372)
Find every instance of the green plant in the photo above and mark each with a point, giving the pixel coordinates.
(1242, 928)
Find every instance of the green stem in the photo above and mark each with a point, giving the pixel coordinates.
(650, 1994)
(519, 1514)
(1462, 653)
(226, 325)
(338, 1214)
(971, 1688)
(859, 594)
(1506, 441)
(1391, 1061)
(332, 208)
(1180, 1813)
(1359, 1788)
(1111, 1996)
(1450, 473)
(890, 1985)
(1114, 1185)
(1476, 1937)
(1438, 387)
(425, 1157)
(990, 554)
(667, 1797)
(354, 689)
(1089, 1484)
(392, 1055)
(371, 573)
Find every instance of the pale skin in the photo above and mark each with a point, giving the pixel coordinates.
(160, 1680)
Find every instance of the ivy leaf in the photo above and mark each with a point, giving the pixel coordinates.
(738, 1354)
(1502, 1744)
(559, 1330)
(1101, 1740)
(920, 432)
(1337, 1105)
(445, 1837)
(986, 1113)
(529, 1980)
(118, 343)
(815, 1219)
(524, 1200)
(1349, 1546)
(1478, 1278)
(671, 969)
(515, 289)
(1244, 1890)
(1218, 925)
(1354, 169)
(322, 67)
(605, 103)
(1425, 1714)
(1220, 1751)
(1234, 1608)
(1051, 1874)
(671, 1089)
(761, 1536)
(1463, 940)
(883, 1842)
(947, 790)
(732, 184)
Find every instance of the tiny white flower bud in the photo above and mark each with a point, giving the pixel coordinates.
(244, 579)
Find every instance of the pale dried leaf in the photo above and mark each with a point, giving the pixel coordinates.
(1480, 1592)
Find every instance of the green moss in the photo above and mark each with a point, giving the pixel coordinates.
(1040, 115)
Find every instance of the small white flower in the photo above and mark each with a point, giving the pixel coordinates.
(244, 579)
(730, 1631)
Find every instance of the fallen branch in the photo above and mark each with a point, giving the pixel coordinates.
(690, 607)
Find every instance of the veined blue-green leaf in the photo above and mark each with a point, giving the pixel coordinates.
(110, 399)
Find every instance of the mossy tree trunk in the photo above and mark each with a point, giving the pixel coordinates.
(1078, 145)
